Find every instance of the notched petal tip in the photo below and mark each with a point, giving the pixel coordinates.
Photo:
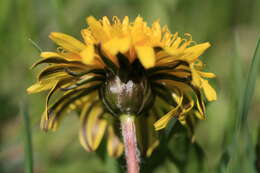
(90, 20)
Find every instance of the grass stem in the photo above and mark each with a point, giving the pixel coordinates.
(27, 140)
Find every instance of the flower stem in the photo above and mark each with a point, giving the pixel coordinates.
(129, 137)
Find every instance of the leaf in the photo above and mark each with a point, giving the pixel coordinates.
(187, 156)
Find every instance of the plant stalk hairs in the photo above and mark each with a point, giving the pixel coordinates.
(128, 73)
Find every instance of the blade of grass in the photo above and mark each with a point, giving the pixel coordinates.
(28, 153)
(236, 90)
(242, 153)
(249, 90)
(35, 45)
(244, 146)
(229, 161)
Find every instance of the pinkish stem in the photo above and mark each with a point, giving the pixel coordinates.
(129, 137)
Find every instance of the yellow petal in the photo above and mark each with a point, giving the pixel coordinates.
(184, 110)
(125, 24)
(152, 147)
(88, 55)
(199, 115)
(188, 106)
(196, 79)
(68, 42)
(146, 55)
(137, 25)
(115, 147)
(50, 54)
(182, 119)
(192, 53)
(206, 74)
(88, 100)
(106, 25)
(98, 131)
(117, 45)
(97, 29)
(44, 122)
(41, 86)
(162, 122)
(87, 36)
(176, 43)
(201, 108)
(209, 92)
(95, 128)
(157, 33)
(82, 133)
(92, 129)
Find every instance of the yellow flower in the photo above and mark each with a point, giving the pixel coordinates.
(123, 67)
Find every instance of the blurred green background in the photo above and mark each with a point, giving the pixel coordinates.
(231, 26)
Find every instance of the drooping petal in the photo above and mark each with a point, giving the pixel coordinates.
(98, 132)
(152, 147)
(115, 147)
(146, 56)
(44, 121)
(185, 109)
(54, 71)
(199, 115)
(40, 86)
(162, 122)
(196, 79)
(206, 74)
(209, 92)
(82, 133)
(200, 106)
(47, 83)
(92, 128)
(68, 42)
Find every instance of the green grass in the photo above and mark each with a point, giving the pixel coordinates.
(28, 149)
